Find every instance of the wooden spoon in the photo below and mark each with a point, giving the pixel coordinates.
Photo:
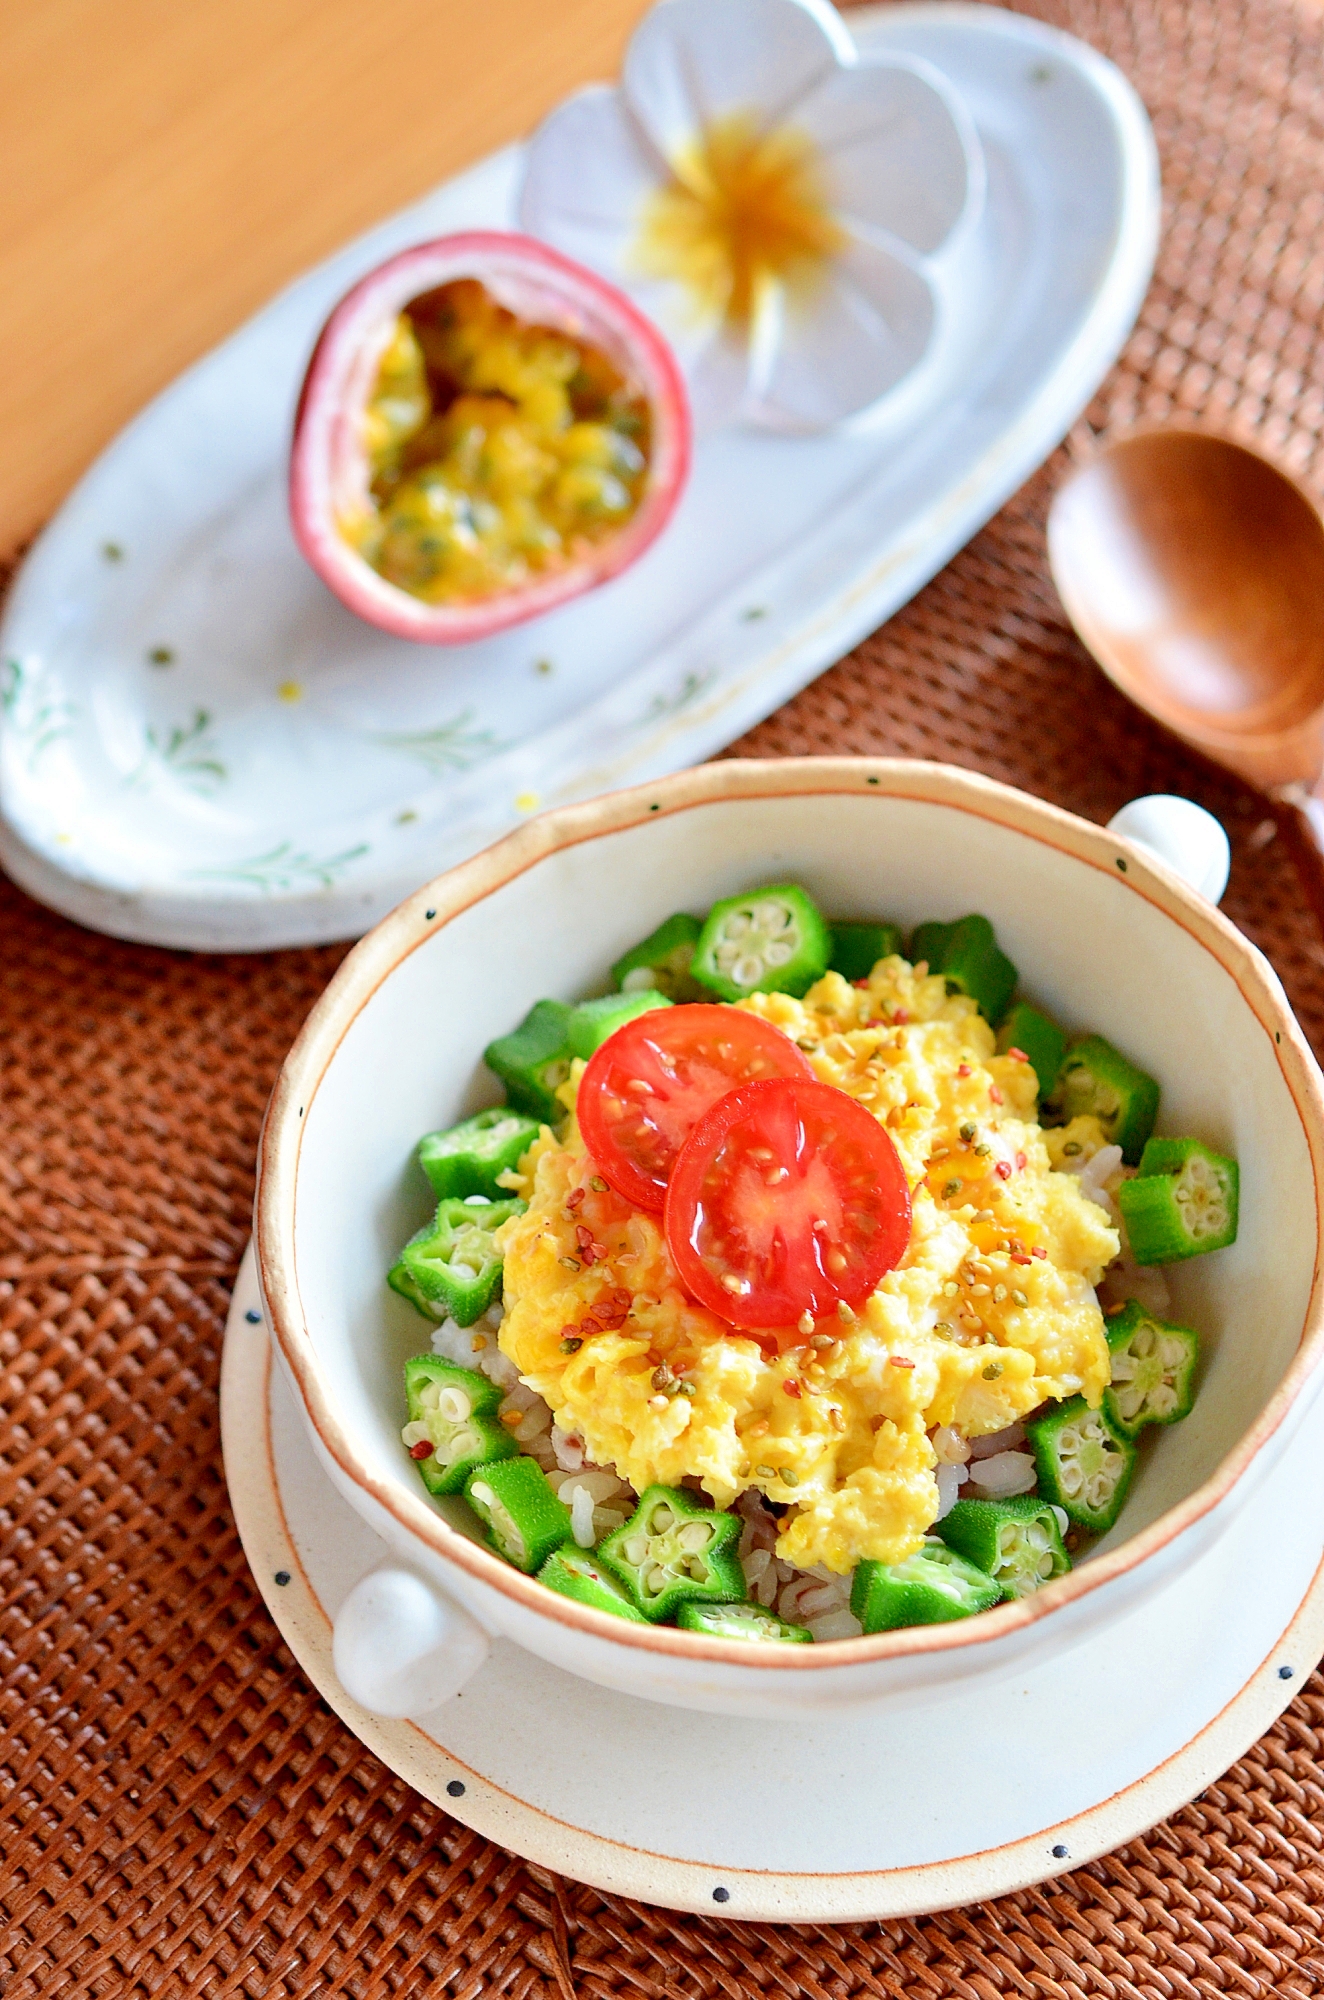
(1193, 570)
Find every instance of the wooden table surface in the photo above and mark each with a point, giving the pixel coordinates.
(164, 168)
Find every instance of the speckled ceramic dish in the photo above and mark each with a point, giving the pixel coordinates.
(848, 1820)
(1105, 937)
(200, 746)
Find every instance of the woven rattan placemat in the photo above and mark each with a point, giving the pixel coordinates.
(179, 1813)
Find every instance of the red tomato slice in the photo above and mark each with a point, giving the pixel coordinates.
(787, 1198)
(649, 1084)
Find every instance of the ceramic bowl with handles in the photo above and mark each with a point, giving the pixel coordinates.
(1106, 936)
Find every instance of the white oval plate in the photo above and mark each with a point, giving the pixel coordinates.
(199, 746)
(838, 1818)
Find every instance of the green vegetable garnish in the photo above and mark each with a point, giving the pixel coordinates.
(966, 954)
(1153, 1370)
(468, 1158)
(673, 1548)
(593, 1020)
(771, 941)
(742, 1621)
(534, 1060)
(458, 1408)
(1026, 1029)
(928, 1588)
(661, 961)
(451, 1267)
(577, 1573)
(857, 947)
(1095, 1080)
(1017, 1542)
(1084, 1462)
(1182, 1202)
(524, 1519)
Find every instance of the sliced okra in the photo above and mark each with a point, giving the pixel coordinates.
(577, 1573)
(468, 1158)
(525, 1521)
(401, 1279)
(661, 962)
(770, 941)
(453, 1424)
(857, 947)
(930, 1587)
(533, 1061)
(673, 1548)
(1084, 1462)
(593, 1020)
(453, 1262)
(1153, 1369)
(1017, 1542)
(966, 954)
(1037, 1037)
(1095, 1080)
(742, 1621)
(1182, 1202)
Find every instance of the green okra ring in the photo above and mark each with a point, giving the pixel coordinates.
(771, 941)
(1084, 1462)
(1183, 1202)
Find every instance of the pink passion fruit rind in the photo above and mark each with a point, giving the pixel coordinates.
(329, 472)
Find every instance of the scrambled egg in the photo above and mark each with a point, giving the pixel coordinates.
(991, 1311)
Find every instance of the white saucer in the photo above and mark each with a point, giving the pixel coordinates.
(199, 746)
(863, 1817)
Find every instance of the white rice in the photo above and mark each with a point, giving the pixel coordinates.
(997, 1441)
(1004, 1474)
(950, 1478)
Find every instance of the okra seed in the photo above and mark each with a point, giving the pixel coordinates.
(765, 1471)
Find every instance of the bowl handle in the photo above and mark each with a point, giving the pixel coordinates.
(401, 1646)
(1181, 834)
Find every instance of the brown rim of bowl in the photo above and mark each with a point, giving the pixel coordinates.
(424, 914)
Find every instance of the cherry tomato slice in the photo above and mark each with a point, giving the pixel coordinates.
(787, 1198)
(649, 1084)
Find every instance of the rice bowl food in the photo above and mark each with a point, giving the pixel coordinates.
(806, 1286)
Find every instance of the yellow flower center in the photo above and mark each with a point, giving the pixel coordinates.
(744, 209)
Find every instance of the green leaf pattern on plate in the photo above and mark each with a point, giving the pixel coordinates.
(34, 722)
(187, 750)
(283, 868)
(451, 746)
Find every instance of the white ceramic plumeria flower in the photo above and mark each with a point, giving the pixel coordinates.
(769, 199)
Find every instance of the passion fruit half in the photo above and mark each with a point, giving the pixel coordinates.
(331, 472)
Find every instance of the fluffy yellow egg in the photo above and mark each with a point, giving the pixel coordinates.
(990, 1312)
